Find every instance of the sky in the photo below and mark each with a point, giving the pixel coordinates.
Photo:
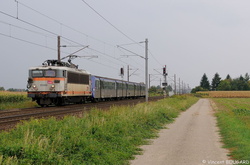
(190, 37)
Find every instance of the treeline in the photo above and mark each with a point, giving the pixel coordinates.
(12, 89)
(241, 83)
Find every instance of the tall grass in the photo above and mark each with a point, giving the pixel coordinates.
(234, 121)
(10, 100)
(12, 97)
(100, 137)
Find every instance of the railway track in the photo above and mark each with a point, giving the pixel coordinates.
(9, 118)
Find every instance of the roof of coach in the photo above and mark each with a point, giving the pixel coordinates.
(117, 80)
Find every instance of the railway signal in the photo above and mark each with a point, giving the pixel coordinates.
(165, 84)
(165, 71)
(122, 72)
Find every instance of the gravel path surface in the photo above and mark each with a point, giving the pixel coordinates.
(193, 139)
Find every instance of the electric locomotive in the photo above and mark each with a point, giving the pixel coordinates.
(57, 82)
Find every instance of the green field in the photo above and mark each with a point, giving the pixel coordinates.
(233, 115)
(12, 100)
(100, 137)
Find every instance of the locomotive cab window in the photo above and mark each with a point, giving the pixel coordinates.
(47, 73)
(37, 73)
(50, 73)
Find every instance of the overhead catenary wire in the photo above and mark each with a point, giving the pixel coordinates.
(124, 56)
(43, 29)
(38, 27)
(36, 44)
(119, 31)
(68, 39)
(26, 29)
(154, 57)
(33, 43)
(108, 21)
(55, 34)
(134, 42)
(62, 24)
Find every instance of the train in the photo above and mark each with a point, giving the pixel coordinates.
(58, 83)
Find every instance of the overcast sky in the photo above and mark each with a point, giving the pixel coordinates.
(190, 37)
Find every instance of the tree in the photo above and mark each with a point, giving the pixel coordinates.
(152, 89)
(215, 81)
(204, 82)
(246, 78)
(155, 90)
(2, 89)
(197, 89)
(243, 83)
(169, 88)
(240, 84)
(225, 85)
(228, 77)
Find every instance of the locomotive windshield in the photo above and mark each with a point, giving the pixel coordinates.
(37, 73)
(49, 73)
(43, 73)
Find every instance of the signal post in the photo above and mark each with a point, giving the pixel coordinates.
(165, 84)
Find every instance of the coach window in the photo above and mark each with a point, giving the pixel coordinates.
(118, 86)
(101, 84)
(97, 84)
(109, 85)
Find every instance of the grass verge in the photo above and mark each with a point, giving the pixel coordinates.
(100, 137)
(233, 117)
(23, 104)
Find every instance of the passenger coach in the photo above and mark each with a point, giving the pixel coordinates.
(107, 89)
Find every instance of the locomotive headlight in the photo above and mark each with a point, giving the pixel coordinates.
(52, 87)
(34, 86)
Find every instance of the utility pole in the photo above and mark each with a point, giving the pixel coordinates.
(146, 69)
(179, 85)
(128, 72)
(185, 88)
(58, 49)
(182, 88)
(175, 84)
(149, 81)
